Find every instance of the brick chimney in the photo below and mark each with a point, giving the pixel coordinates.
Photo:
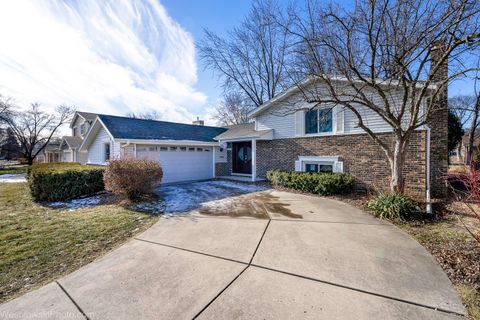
(439, 123)
(198, 122)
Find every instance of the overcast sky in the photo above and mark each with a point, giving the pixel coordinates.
(115, 57)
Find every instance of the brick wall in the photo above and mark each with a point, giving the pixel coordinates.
(224, 168)
(361, 157)
(439, 128)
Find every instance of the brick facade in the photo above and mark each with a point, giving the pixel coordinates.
(361, 157)
(224, 168)
(439, 129)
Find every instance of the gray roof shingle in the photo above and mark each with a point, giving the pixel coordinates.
(130, 128)
(73, 142)
(240, 131)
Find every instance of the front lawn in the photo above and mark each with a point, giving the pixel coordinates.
(13, 170)
(39, 244)
(457, 253)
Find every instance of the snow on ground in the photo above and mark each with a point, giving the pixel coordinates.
(188, 196)
(77, 203)
(9, 178)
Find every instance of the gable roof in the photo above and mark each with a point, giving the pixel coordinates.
(140, 129)
(244, 131)
(311, 80)
(88, 116)
(72, 142)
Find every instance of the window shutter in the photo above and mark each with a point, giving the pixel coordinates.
(299, 123)
(298, 165)
(338, 166)
(339, 112)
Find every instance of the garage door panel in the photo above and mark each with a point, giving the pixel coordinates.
(180, 165)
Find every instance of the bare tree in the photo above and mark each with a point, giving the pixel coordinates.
(361, 59)
(6, 107)
(34, 127)
(234, 109)
(467, 109)
(251, 58)
(146, 115)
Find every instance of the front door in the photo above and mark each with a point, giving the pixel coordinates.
(242, 157)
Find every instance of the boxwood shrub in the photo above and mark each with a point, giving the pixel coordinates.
(320, 183)
(63, 181)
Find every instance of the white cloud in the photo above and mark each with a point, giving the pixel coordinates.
(102, 56)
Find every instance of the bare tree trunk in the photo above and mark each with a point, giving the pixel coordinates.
(397, 162)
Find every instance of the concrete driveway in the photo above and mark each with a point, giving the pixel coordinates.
(258, 255)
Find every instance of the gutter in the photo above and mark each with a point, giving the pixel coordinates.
(427, 195)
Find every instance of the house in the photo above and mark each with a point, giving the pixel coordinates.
(70, 145)
(186, 152)
(461, 154)
(51, 152)
(286, 134)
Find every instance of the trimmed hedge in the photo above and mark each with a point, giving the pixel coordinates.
(64, 181)
(320, 183)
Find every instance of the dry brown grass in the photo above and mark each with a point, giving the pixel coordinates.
(39, 244)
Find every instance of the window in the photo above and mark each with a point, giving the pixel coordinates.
(318, 167)
(318, 121)
(163, 148)
(207, 150)
(199, 149)
(107, 151)
(152, 148)
(311, 167)
(74, 131)
(83, 129)
(183, 148)
(191, 149)
(173, 148)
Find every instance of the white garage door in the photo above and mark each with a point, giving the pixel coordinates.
(181, 163)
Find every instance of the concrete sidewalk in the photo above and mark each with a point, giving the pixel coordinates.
(295, 256)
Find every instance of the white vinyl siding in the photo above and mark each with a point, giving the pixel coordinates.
(287, 118)
(96, 152)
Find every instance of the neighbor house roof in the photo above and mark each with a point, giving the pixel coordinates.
(73, 142)
(140, 129)
(244, 131)
(87, 115)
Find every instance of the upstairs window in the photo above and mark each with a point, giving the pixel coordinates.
(74, 131)
(318, 121)
(83, 129)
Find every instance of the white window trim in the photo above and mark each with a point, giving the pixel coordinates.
(105, 160)
(328, 160)
(328, 133)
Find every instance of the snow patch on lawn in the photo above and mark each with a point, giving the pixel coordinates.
(11, 178)
(185, 197)
(77, 203)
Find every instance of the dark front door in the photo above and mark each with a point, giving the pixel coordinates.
(242, 157)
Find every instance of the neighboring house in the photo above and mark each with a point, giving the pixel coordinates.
(51, 153)
(462, 152)
(70, 145)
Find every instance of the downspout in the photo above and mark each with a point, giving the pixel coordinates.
(428, 197)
